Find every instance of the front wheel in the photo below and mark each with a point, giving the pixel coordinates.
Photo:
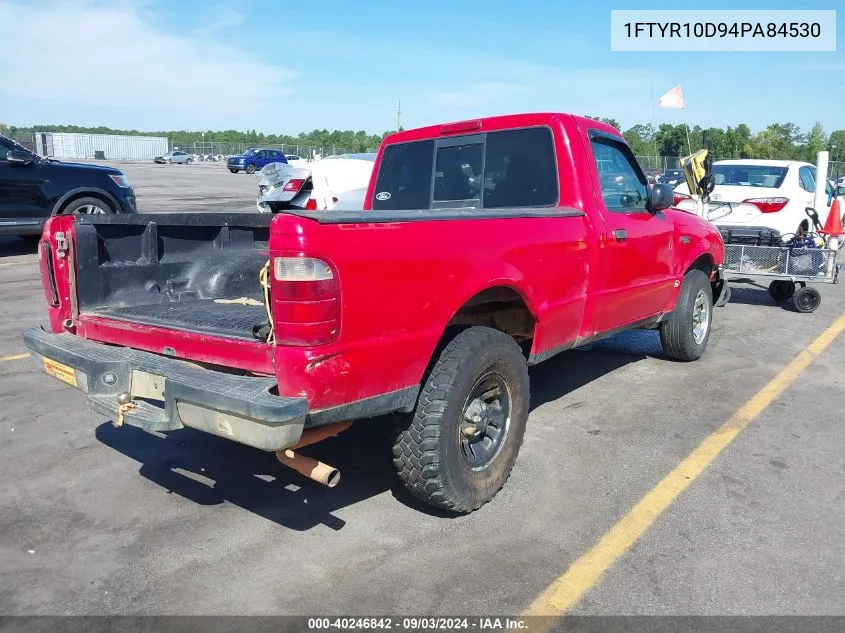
(88, 206)
(457, 449)
(188, 161)
(686, 332)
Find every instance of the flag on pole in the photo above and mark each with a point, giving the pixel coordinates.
(672, 99)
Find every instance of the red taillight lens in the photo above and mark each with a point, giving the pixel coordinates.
(294, 184)
(768, 205)
(311, 205)
(306, 301)
(680, 197)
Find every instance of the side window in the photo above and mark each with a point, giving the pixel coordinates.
(520, 169)
(404, 177)
(807, 179)
(622, 188)
(457, 176)
(5, 148)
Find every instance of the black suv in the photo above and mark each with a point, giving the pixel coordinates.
(33, 188)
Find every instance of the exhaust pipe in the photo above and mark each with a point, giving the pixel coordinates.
(312, 468)
(318, 471)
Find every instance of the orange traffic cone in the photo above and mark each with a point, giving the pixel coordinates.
(833, 224)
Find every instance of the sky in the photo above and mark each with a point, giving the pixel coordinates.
(279, 66)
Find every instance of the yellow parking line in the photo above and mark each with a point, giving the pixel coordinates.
(15, 357)
(584, 573)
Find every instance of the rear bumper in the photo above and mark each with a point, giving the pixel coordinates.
(170, 394)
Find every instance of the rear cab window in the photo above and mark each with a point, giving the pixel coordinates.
(509, 168)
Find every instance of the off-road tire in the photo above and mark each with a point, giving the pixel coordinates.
(676, 333)
(427, 450)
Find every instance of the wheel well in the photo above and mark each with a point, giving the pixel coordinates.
(501, 308)
(706, 264)
(85, 194)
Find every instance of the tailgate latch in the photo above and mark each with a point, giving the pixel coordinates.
(61, 244)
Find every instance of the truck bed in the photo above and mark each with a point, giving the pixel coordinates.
(170, 270)
(193, 315)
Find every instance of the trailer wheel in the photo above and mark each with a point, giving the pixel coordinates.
(806, 299)
(781, 289)
(456, 450)
(685, 334)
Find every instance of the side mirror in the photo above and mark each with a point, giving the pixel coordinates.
(660, 196)
(19, 158)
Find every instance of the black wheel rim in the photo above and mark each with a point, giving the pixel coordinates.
(485, 421)
(807, 301)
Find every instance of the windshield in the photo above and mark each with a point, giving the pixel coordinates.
(749, 175)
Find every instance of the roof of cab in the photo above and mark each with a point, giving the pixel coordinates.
(495, 123)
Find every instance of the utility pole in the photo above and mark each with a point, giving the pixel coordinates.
(399, 116)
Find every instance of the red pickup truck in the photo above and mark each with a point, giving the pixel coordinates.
(484, 247)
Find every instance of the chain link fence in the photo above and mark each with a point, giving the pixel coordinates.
(220, 150)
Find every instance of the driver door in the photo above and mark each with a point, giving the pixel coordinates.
(637, 278)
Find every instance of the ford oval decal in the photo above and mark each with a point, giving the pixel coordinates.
(383, 195)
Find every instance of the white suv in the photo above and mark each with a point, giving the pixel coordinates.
(760, 193)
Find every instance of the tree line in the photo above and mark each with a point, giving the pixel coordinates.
(778, 140)
(784, 141)
(349, 140)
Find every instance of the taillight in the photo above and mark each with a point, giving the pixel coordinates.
(306, 301)
(294, 184)
(48, 275)
(311, 205)
(768, 205)
(679, 198)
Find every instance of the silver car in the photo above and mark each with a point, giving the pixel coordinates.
(175, 156)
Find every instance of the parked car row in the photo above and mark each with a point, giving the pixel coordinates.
(250, 161)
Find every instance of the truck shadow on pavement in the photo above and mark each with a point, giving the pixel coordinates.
(210, 470)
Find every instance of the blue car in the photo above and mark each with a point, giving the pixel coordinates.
(254, 159)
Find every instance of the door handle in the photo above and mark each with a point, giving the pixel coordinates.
(620, 234)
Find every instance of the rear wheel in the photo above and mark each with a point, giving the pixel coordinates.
(234, 171)
(250, 169)
(88, 206)
(457, 449)
(781, 289)
(685, 334)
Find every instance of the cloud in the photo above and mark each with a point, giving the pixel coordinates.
(93, 54)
